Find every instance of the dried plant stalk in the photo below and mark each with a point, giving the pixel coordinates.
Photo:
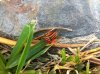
(59, 45)
(7, 41)
(95, 60)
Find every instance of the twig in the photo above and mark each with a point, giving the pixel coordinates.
(7, 41)
(27, 64)
(95, 60)
(91, 55)
(57, 28)
(86, 57)
(73, 51)
(62, 67)
(87, 44)
(91, 51)
(59, 45)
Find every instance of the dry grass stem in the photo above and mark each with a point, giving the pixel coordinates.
(59, 45)
(57, 28)
(7, 41)
(87, 44)
(95, 60)
(72, 50)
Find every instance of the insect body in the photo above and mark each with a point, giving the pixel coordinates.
(50, 36)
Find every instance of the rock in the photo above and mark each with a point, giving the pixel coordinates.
(82, 16)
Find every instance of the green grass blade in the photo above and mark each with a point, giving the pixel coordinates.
(70, 58)
(40, 53)
(2, 66)
(21, 41)
(52, 71)
(25, 51)
(2, 57)
(63, 55)
(77, 57)
(88, 67)
(2, 72)
(38, 72)
(33, 50)
(19, 46)
(79, 67)
(14, 62)
(28, 72)
(36, 48)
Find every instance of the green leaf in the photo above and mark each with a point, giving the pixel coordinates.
(36, 48)
(13, 63)
(77, 59)
(70, 58)
(33, 50)
(63, 56)
(88, 67)
(19, 46)
(2, 67)
(52, 71)
(83, 72)
(74, 58)
(2, 57)
(17, 50)
(25, 52)
(2, 72)
(38, 72)
(40, 53)
(28, 72)
(21, 41)
(79, 66)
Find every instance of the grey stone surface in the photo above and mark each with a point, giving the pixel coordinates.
(83, 16)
